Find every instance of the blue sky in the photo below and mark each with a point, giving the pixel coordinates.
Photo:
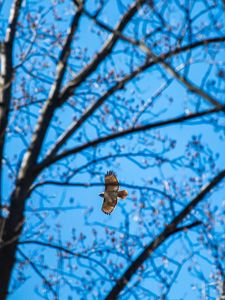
(76, 201)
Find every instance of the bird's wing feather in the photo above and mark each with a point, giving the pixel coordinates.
(111, 182)
(109, 203)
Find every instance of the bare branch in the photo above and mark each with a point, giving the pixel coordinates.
(148, 51)
(222, 296)
(62, 62)
(186, 227)
(6, 77)
(66, 250)
(172, 165)
(39, 273)
(47, 162)
(119, 85)
(50, 105)
(169, 230)
(25, 175)
(116, 32)
(191, 86)
(88, 185)
(100, 56)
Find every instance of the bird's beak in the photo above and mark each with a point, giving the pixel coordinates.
(101, 195)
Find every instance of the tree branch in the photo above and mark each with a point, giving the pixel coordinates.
(186, 227)
(147, 50)
(47, 162)
(119, 85)
(93, 184)
(100, 56)
(25, 176)
(65, 250)
(111, 30)
(169, 230)
(62, 62)
(222, 296)
(32, 153)
(45, 280)
(191, 86)
(6, 77)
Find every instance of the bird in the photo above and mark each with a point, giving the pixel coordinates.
(111, 193)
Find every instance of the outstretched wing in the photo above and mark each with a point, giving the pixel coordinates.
(109, 203)
(111, 182)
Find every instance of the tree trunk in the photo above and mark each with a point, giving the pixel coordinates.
(11, 233)
(7, 260)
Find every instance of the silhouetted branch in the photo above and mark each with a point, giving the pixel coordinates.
(66, 250)
(191, 87)
(148, 51)
(47, 162)
(25, 176)
(39, 273)
(161, 238)
(119, 85)
(102, 54)
(186, 227)
(6, 77)
(81, 74)
(88, 185)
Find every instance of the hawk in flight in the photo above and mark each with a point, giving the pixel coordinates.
(111, 193)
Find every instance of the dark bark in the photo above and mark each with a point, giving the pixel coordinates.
(12, 231)
(7, 254)
(14, 222)
(6, 77)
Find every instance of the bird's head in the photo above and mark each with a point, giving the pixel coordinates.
(101, 195)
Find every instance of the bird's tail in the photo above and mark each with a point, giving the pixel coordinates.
(122, 194)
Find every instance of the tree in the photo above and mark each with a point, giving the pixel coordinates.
(135, 86)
